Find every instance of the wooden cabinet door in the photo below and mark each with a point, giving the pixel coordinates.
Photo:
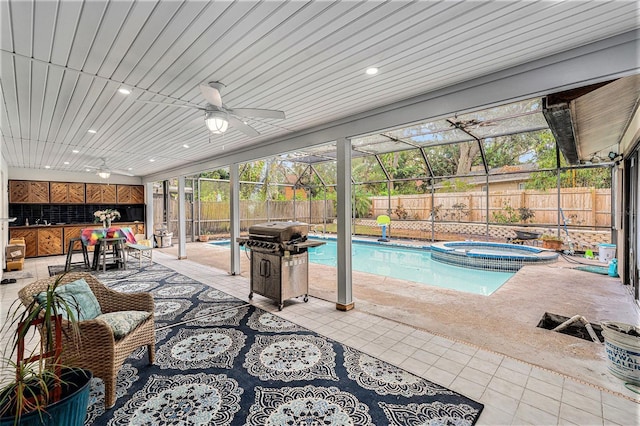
(28, 191)
(94, 193)
(109, 194)
(69, 233)
(137, 194)
(18, 191)
(137, 228)
(130, 194)
(39, 192)
(30, 238)
(123, 194)
(49, 241)
(59, 192)
(76, 193)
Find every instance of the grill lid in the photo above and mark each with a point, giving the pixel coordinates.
(280, 232)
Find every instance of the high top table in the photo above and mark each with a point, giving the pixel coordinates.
(102, 237)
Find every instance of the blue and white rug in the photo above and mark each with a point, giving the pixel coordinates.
(220, 361)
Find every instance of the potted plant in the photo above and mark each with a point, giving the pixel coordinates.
(552, 242)
(43, 391)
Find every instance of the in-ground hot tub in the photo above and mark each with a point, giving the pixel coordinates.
(490, 256)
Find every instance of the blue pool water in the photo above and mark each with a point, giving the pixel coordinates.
(412, 265)
(409, 264)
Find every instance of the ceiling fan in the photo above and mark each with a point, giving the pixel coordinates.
(218, 117)
(103, 171)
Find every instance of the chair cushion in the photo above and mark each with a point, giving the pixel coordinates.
(123, 322)
(78, 297)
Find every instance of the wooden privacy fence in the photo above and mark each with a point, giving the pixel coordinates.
(581, 206)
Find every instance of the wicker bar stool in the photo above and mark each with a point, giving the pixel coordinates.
(112, 249)
(72, 250)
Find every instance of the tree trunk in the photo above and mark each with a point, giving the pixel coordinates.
(468, 151)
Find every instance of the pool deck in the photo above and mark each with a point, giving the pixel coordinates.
(504, 322)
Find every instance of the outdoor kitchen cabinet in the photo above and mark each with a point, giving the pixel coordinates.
(130, 194)
(26, 191)
(279, 277)
(98, 193)
(66, 193)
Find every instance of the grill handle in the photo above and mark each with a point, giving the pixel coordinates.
(265, 268)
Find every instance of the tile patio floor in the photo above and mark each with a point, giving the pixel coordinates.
(513, 391)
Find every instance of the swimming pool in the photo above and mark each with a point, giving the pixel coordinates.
(410, 264)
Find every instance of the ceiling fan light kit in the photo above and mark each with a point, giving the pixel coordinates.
(218, 117)
(104, 172)
(216, 121)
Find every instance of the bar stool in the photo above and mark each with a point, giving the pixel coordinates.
(111, 249)
(72, 250)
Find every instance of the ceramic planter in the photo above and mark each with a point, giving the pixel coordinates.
(71, 410)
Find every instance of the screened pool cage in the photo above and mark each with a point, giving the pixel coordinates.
(493, 175)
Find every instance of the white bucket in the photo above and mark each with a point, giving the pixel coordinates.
(606, 252)
(623, 351)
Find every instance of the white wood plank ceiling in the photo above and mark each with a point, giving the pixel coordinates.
(62, 63)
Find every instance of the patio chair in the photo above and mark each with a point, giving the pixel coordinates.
(99, 346)
(141, 249)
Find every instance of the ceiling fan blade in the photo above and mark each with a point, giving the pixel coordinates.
(170, 105)
(212, 94)
(244, 128)
(258, 113)
(121, 172)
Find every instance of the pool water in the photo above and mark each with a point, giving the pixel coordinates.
(412, 265)
(409, 264)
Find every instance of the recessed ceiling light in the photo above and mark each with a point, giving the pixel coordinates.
(185, 146)
(130, 168)
(47, 167)
(75, 151)
(66, 162)
(87, 170)
(372, 71)
(124, 91)
(92, 131)
(151, 160)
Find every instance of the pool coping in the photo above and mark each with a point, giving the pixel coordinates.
(457, 253)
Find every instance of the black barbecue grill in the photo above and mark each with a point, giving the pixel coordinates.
(279, 260)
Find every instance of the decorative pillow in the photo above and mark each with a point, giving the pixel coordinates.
(78, 297)
(123, 322)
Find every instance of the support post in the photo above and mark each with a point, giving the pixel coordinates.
(234, 217)
(148, 200)
(345, 291)
(182, 221)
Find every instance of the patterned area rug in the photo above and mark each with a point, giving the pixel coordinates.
(220, 361)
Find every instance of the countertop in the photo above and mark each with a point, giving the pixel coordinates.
(62, 225)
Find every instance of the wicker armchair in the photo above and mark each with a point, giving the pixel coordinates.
(97, 350)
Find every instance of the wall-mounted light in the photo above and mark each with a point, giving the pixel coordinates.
(613, 156)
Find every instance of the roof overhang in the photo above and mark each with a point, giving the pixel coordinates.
(589, 122)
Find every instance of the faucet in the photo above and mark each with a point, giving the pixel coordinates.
(45, 222)
(37, 221)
